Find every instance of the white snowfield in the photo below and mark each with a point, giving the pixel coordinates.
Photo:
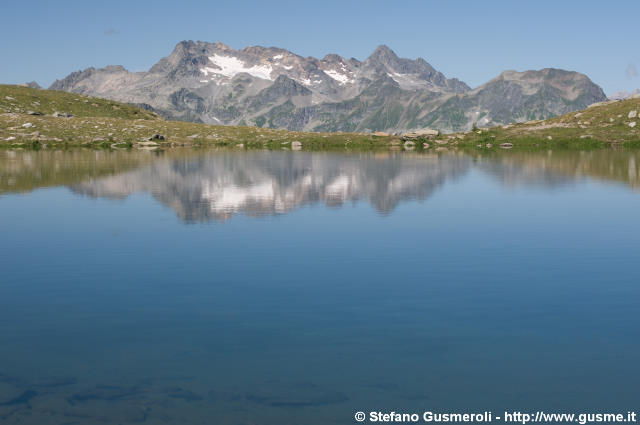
(341, 78)
(231, 66)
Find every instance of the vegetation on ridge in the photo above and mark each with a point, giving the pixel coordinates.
(104, 123)
(36, 118)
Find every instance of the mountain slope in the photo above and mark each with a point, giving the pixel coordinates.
(27, 100)
(215, 84)
(34, 118)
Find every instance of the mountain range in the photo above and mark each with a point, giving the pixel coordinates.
(272, 87)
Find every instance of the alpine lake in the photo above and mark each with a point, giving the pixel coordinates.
(278, 287)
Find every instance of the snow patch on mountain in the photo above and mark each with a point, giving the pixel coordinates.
(230, 66)
(341, 78)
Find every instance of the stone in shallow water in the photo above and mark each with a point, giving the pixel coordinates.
(295, 395)
(22, 398)
(103, 392)
(56, 382)
(8, 392)
(183, 394)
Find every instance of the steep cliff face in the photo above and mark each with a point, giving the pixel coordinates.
(213, 83)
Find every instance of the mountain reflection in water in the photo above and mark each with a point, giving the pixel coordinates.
(215, 187)
(204, 186)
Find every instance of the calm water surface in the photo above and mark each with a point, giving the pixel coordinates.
(299, 288)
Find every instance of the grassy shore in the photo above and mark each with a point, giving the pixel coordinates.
(32, 118)
(104, 123)
(599, 126)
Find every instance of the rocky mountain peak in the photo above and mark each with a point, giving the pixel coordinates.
(332, 57)
(384, 56)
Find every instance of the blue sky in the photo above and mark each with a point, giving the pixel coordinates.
(470, 40)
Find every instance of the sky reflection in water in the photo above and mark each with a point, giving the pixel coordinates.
(309, 286)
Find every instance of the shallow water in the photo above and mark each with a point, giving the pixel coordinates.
(292, 287)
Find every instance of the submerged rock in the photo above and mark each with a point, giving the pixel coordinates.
(103, 392)
(20, 399)
(183, 394)
(295, 395)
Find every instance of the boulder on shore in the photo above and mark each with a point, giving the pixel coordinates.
(425, 132)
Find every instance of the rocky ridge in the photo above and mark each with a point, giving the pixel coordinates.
(272, 87)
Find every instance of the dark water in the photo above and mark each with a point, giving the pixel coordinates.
(298, 288)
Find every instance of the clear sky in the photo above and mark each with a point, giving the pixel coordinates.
(470, 40)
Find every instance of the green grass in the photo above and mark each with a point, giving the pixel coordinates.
(21, 100)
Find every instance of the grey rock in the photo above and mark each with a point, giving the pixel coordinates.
(32, 84)
(425, 132)
(272, 87)
(621, 95)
